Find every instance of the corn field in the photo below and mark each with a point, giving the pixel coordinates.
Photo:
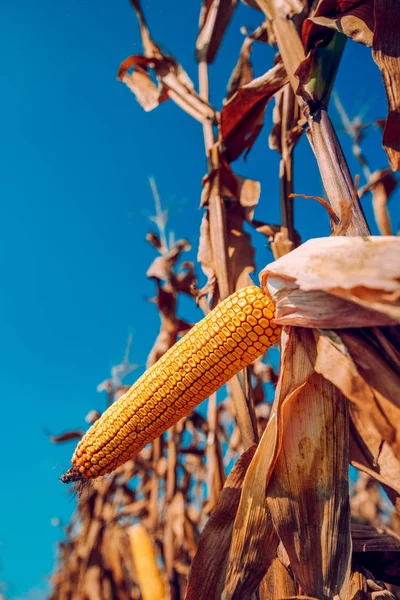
(240, 497)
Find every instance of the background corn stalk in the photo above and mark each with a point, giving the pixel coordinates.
(281, 524)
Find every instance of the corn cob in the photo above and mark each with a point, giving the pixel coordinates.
(229, 338)
(145, 562)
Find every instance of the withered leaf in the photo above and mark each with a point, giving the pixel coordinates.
(356, 20)
(254, 541)
(242, 117)
(207, 573)
(378, 551)
(277, 583)
(373, 23)
(385, 51)
(66, 437)
(173, 80)
(381, 184)
(308, 490)
(215, 16)
(365, 377)
(242, 74)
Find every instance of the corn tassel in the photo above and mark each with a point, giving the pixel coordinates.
(145, 563)
(229, 338)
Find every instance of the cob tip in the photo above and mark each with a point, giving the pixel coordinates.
(72, 475)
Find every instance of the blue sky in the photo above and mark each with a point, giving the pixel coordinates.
(76, 152)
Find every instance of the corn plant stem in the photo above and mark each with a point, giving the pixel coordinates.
(334, 170)
(286, 188)
(216, 207)
(286, 167)
(324, 142)
(243, 407)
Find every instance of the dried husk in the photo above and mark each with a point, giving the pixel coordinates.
(337, 282)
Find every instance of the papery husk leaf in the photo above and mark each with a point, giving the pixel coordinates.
(214, 19)
(308, 490)
(254, 542)
(207, 573)
(337, 282)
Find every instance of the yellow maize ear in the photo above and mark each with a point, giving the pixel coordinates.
(145, 562)
(229, 338)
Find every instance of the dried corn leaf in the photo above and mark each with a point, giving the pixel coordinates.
(363, 586)
(173, 80)
(385, 51)
(373, 23)
(242, 74)
(254, 542)
(366, 502)
(277, 583)
(337, 282)
(215, 16)
(368, 380)
(381, 184)
(207, 573)
(241, 196)
(66, 437)
(355, 20)
(283, 8)
(242, 117)
(243, 71)
(308, 490)
(378, 551)
(288, 123)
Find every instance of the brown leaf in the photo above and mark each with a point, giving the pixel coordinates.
(378, 551)
(366, 502)
(207, 573)
(277, 582)
(242, 74)
(173, 80)
(140, 83)
(254, 542)
(381, 184)
(373, 23)
(288, 122)
(242, 117)
(386, 54)
(284, 8)
(215, 16)
(308, 490)
(66, 437)
(366, 378)
(364, 586)
(356, 20)
(337, 282)
(241, 196)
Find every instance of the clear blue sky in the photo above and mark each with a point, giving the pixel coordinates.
(75, 155)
